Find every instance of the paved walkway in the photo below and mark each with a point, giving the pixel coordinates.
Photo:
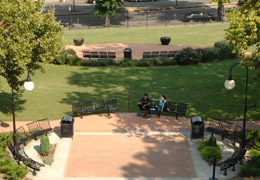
(124, 146)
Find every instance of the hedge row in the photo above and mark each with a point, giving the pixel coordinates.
(251, 167)
(187, 56)
(8, 167)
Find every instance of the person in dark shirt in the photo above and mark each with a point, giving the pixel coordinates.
(144, 103)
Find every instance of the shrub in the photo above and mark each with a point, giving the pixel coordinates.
(209, 54)
(209, 152)
(251, 168)
(48, 160)
(99, 62)
(188, 56)
(127, 63)
(67, 56)
(45, 145)
(168, 61)
(225, 50)
(209, 149)
(8, 167)
(144, 62)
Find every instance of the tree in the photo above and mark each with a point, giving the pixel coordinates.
(220, 8)
(108, 8)
(243, 31)
(27, 37)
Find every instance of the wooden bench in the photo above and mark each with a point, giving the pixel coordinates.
(20, 156)
(101, 54)
(236, 135)
(152, 54)
(178, 109)
(237, 157)
(96, 106)
(219, 127)
(22, 137)
(39, 128)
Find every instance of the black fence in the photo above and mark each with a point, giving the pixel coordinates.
(133, 19)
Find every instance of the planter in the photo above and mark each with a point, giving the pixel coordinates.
(165, 40)
(78, 42)
(44, 154)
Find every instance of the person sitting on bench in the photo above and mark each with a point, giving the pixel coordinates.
(162, 105)
(144, 103)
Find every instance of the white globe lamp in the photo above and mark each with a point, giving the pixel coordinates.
(229, 84)
(28, 85)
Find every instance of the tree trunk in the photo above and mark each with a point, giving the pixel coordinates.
(14, 123)
(74, 8)
(107, 21)
(220, 8)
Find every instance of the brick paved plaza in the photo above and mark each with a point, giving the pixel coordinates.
(123, 146)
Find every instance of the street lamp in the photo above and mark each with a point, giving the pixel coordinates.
(29, 86)
(230, 84)
(70, 17)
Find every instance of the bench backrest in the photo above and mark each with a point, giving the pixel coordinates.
(155, 53)
(103, 54)
(94, 54)
(164, 53)
(100, 105)
(147, 54)
(111, 55)
(226, 126)
(44, 124)
(86, 54)
(33, 126)
(216, 124)
(111, 104)
(238, 133)
(20, 134)
(181, 108)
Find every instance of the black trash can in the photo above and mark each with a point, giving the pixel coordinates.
(197, 127)
(67, 126)
(127, 53)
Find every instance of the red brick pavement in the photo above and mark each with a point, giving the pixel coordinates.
(129, 156)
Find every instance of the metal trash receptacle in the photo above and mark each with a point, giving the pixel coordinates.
(197, 127)
(67, 126)
(127, 53)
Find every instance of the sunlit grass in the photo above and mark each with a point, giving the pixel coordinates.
(200, 35)
(201, 86)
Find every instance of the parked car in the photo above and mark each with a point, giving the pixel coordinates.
(198, 16)
(64, 23)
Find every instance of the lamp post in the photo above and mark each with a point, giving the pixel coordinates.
(70, 24)
(230, 84)
(29, 86)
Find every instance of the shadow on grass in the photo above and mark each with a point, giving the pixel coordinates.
(200, 86)
(6, 103)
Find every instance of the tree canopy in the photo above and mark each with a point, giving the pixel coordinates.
(108, 8)
(28, 36)
(243, 31)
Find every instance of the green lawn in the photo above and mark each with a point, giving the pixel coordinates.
(201, 86)
(202, 35)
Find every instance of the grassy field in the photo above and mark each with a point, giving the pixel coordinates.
(202, 35)
(201, 86)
